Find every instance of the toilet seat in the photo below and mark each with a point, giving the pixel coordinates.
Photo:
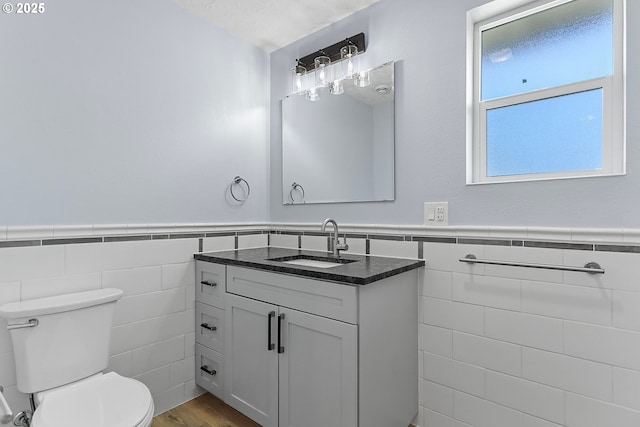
(108, 400)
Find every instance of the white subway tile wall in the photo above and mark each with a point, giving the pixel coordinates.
(252, 241)
(223, 243)
(315, 243)
(394, 248)
(519, 347)
(356, 246)
(499, 346)
(153, 336)
(284, 241)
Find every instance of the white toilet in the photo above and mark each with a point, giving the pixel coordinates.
(61, 347)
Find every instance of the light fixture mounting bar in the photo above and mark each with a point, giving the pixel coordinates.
(333, 51)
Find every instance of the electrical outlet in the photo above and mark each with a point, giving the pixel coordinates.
(436, 213)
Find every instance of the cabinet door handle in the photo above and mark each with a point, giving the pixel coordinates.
(206, 369)
(270, 345)
(208, 283)
(280, 346)
(211, 328)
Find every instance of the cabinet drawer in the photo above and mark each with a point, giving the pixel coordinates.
(210, 280)
(210, 370)
(210, 326)
(326, 299)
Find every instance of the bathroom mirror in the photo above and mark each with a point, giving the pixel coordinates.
(341, 147)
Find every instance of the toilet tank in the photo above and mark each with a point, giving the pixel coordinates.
(70, 341)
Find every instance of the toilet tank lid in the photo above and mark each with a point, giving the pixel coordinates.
(59, 303)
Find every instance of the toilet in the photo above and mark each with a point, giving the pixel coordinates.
(61, 347)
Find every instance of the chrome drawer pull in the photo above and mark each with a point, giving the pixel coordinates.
(32, 323)
(208, 283)
(211, 328)
(206, 369)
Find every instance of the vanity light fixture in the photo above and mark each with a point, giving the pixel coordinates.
(322, 63)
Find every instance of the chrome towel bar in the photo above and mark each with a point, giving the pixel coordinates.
(590, 267)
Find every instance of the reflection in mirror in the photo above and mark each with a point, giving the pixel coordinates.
(340, 148)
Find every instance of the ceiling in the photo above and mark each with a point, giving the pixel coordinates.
(272, 24)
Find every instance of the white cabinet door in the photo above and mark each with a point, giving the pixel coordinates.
(251, 377)
(318, 371)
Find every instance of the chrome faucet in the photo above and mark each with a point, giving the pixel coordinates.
(337, 246)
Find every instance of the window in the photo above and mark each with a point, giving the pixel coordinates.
(545, 90)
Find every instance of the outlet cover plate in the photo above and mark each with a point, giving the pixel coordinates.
(436, 213)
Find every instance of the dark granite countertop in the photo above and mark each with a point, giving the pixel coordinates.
(361, 271)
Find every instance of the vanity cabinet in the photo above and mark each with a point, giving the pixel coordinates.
(294, 351)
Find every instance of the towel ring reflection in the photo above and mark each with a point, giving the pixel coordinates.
(236, 181)
(296, 187)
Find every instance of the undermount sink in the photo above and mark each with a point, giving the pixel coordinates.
(313, 261)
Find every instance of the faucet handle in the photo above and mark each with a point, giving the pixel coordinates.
(343, 246)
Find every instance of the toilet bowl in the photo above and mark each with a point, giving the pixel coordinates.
(61, 348)
(102, 400)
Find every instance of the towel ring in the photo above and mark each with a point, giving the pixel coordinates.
(295, 186)
(236, 181)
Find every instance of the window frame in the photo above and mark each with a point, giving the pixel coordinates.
(500, 12)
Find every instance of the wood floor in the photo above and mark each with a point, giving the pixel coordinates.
(203, 411)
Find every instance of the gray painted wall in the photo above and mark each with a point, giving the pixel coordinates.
(137, 112)
(129, 112)
(428, 40)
